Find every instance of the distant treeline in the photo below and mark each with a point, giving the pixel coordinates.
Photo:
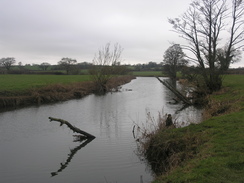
(79, 68)
(83, 68)
(235, 71)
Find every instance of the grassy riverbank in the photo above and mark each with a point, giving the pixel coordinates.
(23, 90)
(208, 152)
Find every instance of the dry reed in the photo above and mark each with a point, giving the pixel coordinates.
(163, 147)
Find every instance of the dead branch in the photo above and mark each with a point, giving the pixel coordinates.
(73, 128)
(176, 92)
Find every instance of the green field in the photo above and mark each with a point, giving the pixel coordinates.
(233, 91)
(218, 142)
(20, 82)
(234, 81)
(147, 73)
(9, 82)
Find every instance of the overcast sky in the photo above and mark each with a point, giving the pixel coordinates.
(36, 31)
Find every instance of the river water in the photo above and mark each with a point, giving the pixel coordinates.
(32, 149)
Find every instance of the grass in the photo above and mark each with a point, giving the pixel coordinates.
(220, 156)
(9, 82)
(20, 82)
(213, 150)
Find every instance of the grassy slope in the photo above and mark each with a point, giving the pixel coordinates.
(11, 82)
(221, 157)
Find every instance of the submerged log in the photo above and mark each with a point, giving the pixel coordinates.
(73, 128)
(176, 92)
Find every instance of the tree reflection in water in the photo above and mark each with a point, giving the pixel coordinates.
(78, 138)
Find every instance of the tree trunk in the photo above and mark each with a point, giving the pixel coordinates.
(176, 92)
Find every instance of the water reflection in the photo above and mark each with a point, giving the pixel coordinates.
(26, 134)
(84, 141)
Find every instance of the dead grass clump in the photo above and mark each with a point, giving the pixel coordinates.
(116, 82)
(168, 150)
(47, 94)
(217, 108)
(61, 92)
(13, 101)
(165, 147)
(222, 102)
(151, 127)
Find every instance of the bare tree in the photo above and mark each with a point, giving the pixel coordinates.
(104, 64)
(67, 64)
(202, 25)
(173, 59)
(7, 62)
(236, 32)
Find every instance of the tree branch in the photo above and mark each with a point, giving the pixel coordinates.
(73, 128)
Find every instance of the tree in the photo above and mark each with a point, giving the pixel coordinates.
(173, 59)
(44, 66)
(104, 65)
(7, 62)
(203, 25)
(20, 65)
(67, 64)
(84, 65)
(223, 62)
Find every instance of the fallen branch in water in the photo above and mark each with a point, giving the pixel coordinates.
(176, 92)
(73, 128)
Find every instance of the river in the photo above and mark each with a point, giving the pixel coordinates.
(36, 150)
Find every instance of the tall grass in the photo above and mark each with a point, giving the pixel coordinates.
(155, 143)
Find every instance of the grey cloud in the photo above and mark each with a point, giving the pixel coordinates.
(47, 30)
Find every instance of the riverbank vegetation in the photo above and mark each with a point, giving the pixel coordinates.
(23, 90)
(211, 151)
